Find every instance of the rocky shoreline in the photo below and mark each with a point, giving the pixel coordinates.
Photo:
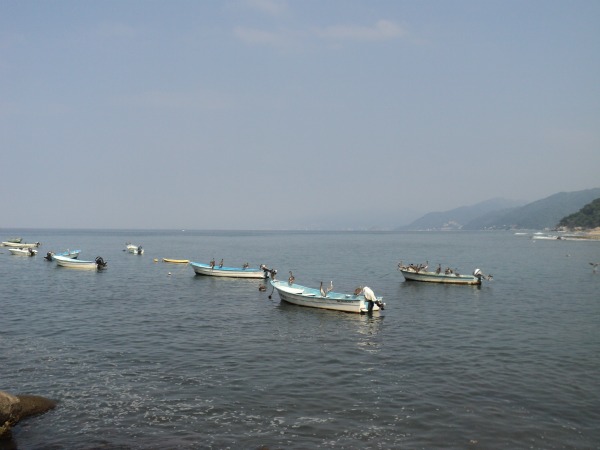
(14, 408)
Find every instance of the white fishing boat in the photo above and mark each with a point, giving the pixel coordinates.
(135, 249)
(448, 276)
(220, 270)
(20, 244)
(71, 263)
(72, 254)
(361, 301)
(23, 251)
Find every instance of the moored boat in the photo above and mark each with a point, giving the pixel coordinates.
(361, 301)
(70, 263)
(448, 276)
(23, 251)
(135, 249)
(20, 244)
(176, 261)
(73, 254)
(220, 270)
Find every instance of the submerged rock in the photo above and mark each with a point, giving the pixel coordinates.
(14, 408)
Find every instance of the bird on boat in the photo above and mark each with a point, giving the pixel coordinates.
(291, 279)
(329, 289)
(594, 265)
(221, 263)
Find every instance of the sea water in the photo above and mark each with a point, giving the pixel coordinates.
(148, 355)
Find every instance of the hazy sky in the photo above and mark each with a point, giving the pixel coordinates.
(263, 114)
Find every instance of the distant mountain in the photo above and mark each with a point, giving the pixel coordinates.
(455, 219)
(507, 214)
(586, 217)
(545, 213)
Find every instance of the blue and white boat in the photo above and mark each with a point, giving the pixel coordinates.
(246, 271)
(73, 254)
(71, 263)
(448, 276)
(361, 301)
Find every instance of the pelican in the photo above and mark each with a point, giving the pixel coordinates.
(323, 293)
(221, 263)
(291, 279)
(594, 266)
(330, 288)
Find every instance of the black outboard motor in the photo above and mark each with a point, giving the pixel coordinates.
(48, 256)
(100, 263)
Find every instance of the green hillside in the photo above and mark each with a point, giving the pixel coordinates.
(586, 217)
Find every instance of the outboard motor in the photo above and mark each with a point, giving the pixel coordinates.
(269, 272)
(48, 256)
(100, 263)
(479, 274)
(139, 250)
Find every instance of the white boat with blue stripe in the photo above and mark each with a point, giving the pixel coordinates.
(361, 301)
(214, 270)
(73, 254)
(71, 263)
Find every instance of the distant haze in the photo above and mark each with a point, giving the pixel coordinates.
(267, 114)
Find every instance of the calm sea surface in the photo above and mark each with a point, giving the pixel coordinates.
(148, 355)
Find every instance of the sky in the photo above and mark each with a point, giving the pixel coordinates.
(291, 114)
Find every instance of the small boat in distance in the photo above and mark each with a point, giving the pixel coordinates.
(73, 254)
(220, 270)
(23, 251)
(361, 301)
(176, 261)
(135, 249)
(20, 244)
(70, 263)
(419, 272)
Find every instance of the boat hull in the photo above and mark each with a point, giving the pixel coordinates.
(229, 272)
(71, 254)
(20, 245)
(75, 263)
(23, 251)
(135, 249)
(176, 261)
(432, 277)
(312, 298)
